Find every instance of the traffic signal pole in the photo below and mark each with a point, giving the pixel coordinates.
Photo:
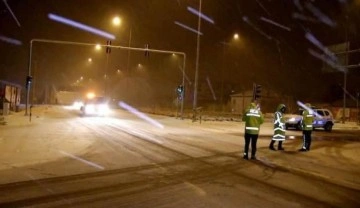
(29, 75)
(110, 46)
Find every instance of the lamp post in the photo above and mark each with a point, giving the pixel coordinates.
(117, 21)
(224, 43)
(197, 63)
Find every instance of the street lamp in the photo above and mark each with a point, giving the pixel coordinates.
(235, 37)
(97, 47)
(116, 21)
(89, 60)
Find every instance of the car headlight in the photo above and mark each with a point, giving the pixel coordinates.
(292, 119)
(89, 109)
(103, 109)
(77, 104)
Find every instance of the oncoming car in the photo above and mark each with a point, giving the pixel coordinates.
(323, 118)
(97, 106)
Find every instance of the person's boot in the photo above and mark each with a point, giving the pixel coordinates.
(271, 146)
(280, 146)
(246, 156)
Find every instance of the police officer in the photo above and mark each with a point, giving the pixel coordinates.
(253, 119)
(279, 128)
(307, 127)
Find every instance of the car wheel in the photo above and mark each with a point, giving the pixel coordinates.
(328, 127)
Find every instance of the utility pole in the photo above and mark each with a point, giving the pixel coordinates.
(346, 63)
(197, 63)
(344, 96)
(357, 107)
(222, 79)
(128, 63)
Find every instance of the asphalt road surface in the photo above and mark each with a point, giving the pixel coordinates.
(62, 159)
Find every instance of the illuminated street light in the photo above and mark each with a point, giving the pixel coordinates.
(236, 36)
(89, 59)
(116, 21)
(97, 47)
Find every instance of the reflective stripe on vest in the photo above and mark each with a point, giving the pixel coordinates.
(252, 128)
(278, 135)
(253, 114)
(279, 128)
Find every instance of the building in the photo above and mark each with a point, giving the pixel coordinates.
(10, 95)
(268, 101)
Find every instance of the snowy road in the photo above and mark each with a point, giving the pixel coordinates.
(63, 160)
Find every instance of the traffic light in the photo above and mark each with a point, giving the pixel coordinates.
(28, 81)
(147, 53)
(256, 91)
(180, 91)
(108, 49)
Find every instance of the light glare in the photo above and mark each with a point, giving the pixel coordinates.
(196, 12)
(188, 28)
(81, 26)
(10, 40)
(140, 114)
(116, 21)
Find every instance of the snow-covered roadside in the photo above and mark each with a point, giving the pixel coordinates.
(19, 149)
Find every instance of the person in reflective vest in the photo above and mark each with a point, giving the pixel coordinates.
(307, 127)
(253, 118)
(279, 128)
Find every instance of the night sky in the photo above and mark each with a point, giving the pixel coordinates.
(272, 49)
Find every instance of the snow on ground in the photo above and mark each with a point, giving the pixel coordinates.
(48, 139)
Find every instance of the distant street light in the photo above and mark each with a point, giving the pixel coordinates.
(224, 43)
(116, 21)
(97, 47)
(236, 36)
(89, 59)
